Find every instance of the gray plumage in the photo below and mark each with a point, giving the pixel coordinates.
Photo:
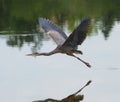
(53, 30)
(66, 45)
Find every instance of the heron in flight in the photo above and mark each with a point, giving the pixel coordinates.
(65, 45)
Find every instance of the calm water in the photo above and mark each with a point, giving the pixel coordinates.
(24, 79)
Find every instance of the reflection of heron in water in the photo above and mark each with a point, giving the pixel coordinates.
(65, 45)
(71, 98)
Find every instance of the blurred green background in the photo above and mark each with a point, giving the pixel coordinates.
(21, 16)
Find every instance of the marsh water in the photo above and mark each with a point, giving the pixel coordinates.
(25, 79)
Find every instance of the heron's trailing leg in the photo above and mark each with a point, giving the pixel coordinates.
(78, 52)
(86, 63)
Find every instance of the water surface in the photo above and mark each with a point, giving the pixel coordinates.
(24, 79)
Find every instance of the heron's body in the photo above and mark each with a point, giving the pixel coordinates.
(65, 45)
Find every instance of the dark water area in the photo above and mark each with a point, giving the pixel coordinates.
(20, 17)
(25, 79)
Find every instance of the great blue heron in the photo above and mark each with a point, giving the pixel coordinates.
(65, 45)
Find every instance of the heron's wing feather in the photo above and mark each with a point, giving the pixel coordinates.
(53, 30)
(78, 35)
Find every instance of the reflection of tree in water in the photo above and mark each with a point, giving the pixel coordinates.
(107, 23)
(71, 98)
(15, 20)
(19, 40)
(33, 40)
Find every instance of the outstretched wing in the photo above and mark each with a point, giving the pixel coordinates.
(53, 30)
(78, 35)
